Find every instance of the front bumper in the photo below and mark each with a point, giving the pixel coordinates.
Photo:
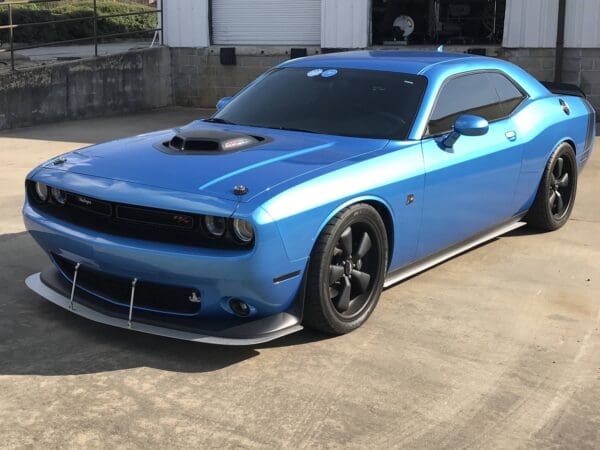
(254, 276)
(51, 286)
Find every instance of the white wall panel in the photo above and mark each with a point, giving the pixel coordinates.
(266, 22)
(345, 23)
(186, 23)
(582, 25)
(531, 23)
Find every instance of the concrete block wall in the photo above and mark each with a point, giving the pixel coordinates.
(166, 76)
(581, 66)
(92, 87)
(199, 79)
(537, 61)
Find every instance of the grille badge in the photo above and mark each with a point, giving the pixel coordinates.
(84, 201)
(182, 220)
(194, 298)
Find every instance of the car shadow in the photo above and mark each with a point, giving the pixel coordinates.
(39, 338)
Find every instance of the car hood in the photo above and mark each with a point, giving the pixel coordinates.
(282, 156)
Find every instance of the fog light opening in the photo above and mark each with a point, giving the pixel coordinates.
(239, 307)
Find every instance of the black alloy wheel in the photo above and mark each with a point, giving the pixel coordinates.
(561, 189)
(556, 193)
(354, 264)
(346, 271)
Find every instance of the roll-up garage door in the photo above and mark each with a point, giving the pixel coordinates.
(266, 22)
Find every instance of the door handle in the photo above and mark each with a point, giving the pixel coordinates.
(511, 136)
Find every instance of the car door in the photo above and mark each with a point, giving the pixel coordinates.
(470, 187)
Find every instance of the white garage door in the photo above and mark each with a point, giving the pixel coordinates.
(266, 22)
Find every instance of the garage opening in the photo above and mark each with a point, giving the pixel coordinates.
(429, 22)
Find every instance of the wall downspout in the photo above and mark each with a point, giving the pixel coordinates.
(560, 41)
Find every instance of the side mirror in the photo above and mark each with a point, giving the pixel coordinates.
(466, 125)
(223, 103)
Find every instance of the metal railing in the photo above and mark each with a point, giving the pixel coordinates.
(94, 18)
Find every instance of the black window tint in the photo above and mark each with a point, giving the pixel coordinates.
(468, 94)
(510, 96)
(347, 102)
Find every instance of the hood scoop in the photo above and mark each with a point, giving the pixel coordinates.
(203, 141)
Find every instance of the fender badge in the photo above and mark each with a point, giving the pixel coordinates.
(59, 160)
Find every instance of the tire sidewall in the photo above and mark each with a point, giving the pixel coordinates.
(357, 214)
(566, 151)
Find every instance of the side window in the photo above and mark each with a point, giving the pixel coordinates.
(468, 94)
(510, 95)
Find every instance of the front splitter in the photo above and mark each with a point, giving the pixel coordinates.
(252, 333)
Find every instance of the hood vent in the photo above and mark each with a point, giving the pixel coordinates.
(210, 141)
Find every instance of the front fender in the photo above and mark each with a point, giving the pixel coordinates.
(302, 211)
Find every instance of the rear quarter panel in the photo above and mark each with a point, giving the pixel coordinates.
(541, 125)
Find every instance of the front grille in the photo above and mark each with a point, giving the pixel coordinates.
(133, 221)
(175, 220)
(160, 298)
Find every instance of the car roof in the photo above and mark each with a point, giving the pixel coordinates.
(388, 60)
(437, 67)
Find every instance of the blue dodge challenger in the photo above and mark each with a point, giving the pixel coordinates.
(319, 184)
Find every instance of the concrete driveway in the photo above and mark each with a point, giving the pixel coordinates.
(497, 348)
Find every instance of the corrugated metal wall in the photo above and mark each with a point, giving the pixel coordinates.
(582, 27)
(346, 23)
(266, 22)
(530, 23)
(186, 23)
(533, 23)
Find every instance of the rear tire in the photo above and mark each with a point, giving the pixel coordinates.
(346, 271)
(556, 194)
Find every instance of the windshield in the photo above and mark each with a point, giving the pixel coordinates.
(346, 102)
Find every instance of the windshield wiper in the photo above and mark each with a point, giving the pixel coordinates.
(293, 129)
(219, 120)
(228, 122)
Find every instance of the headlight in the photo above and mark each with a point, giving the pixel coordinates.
(243, 230)
(58, 196)
(41, 192)
(215, 226)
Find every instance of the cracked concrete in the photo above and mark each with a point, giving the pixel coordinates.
(497, 348)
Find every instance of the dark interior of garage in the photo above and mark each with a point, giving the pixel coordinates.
(423, 22)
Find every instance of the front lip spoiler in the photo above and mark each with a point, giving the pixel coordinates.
(255, 332)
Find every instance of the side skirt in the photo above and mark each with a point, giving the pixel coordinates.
(437, 258)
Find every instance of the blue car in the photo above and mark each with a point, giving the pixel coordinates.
(322, 182)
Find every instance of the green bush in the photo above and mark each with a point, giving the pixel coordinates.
(40, 12)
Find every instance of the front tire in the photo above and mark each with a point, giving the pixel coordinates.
(346, 271)
(556, 194)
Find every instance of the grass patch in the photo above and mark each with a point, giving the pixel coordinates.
(40, 12)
